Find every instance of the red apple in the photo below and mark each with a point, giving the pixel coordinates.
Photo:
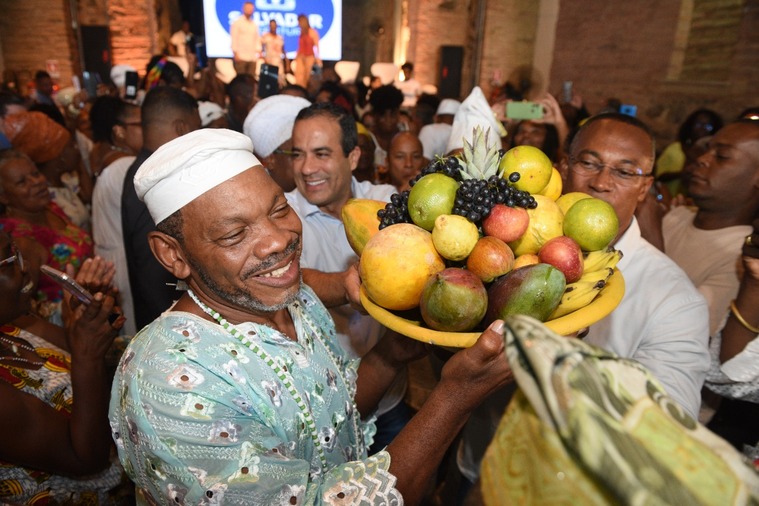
(506, 223)
(565, 254)
(490, 258)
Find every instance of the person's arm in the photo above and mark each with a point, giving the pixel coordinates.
(33, 434)
(315, 38)
(466, 380)
(736, 334)
(334, 288)
(234, 36)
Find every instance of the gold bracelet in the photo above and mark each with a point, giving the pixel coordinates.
(739, 317)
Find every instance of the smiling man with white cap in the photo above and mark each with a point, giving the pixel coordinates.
(240, 393)
(434, 137)
(270, 126)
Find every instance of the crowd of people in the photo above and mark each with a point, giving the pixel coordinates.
(224, 356)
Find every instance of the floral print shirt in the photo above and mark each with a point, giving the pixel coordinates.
(200, 418)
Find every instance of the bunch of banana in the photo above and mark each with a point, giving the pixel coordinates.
(598, 266)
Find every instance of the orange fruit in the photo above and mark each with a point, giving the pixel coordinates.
(546, 222)
(569, 199)
(554, 186)
(592, 223)
(431, 196)
(526, 259)
(533, 166)
(396, 263)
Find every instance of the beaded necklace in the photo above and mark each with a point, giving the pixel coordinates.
(286, 378)
(14, 346)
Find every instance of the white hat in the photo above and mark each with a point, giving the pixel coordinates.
(474, 111)
(118, 74)
(209, 111)
(270, 122)
(448, 106)
(187, 167)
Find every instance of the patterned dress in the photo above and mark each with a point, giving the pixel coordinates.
(70, 245)
(51, 384)
(200, 417)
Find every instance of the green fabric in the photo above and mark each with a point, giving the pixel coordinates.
(608, 427)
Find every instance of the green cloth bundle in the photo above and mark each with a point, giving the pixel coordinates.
(588, 427)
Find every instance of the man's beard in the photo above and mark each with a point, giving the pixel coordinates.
(240, 298)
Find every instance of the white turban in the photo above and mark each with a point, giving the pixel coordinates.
(209, 111)
(474, 111)
(118, 74)
(270, 123)
(187, 167)
(448, 106)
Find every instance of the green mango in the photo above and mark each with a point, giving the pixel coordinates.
(534, 290)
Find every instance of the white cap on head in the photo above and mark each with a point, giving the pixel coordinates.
(187, 167)
(118, 74)
(448, 106)
(474, 111)
(270, 122)
(209, 111)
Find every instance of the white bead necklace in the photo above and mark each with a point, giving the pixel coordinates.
(14, 346)
(287, 379)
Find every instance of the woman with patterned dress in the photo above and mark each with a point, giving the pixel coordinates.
(27, 211)
(53, 450)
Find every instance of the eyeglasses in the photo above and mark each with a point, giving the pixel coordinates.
(621, 175)
(16, 257)
(130, 123)
(285, 152)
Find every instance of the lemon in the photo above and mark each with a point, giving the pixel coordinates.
(533, 166)
(431, 196)
(568, 200)
(454, 236)
(592, 223)
(554, 186)
(396, 264)
(546, 222)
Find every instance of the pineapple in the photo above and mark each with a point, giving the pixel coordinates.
(480, 159)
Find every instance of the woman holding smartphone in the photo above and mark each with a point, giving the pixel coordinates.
(55, 441)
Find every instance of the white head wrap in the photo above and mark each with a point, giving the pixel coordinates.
(187, 167)
(118, 74)
(209, 111)
(474, 111)
(270, 122)
(448, 106)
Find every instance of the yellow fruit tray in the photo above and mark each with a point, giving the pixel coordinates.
(606, 301)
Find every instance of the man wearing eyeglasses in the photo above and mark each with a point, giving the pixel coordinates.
(662, 321)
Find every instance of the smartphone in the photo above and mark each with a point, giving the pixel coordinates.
(131, 81)
(524, 110)
(268, 80)
(630, 110)
(68, 284)
(566, 91)
(74, 288)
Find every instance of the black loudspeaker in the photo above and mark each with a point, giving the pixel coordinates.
(268, 81)
(451, 60)
(97, 50)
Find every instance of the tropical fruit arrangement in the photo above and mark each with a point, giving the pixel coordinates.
(482, 236)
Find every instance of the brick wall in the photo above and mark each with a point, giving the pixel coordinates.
(34, 31)
(625, 50)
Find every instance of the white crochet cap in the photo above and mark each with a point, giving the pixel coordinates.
(474, 111)
(209, 111)
(118, 74)
(448, 106)
(187, 167)
(270, 123)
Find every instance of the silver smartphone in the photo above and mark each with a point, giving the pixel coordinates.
(74, 288)
(68, 284)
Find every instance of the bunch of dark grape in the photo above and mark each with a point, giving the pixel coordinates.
(396, 211)
(475, 198)
(448, 166)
